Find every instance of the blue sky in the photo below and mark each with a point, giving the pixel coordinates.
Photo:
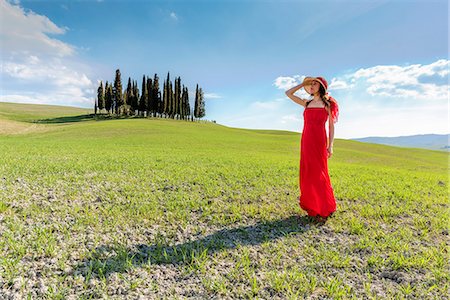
(386, 61)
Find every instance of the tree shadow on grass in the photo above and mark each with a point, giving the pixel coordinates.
(83, 118)
(67, 119)
(107, 259)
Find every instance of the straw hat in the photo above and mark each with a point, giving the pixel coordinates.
(307, 83)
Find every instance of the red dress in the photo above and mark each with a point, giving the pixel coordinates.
(316, 192)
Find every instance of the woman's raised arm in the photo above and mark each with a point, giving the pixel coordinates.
(290, 94)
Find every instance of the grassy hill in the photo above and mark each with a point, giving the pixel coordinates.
(427, 141)
(18, 118)
(36, 112)
(166, 208)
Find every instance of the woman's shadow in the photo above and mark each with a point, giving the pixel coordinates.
(107, 259)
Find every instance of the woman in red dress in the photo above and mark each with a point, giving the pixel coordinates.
(316, 192)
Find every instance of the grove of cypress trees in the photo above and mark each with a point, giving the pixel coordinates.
(171, 102)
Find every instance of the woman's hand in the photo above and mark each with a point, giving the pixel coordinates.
(330, 151)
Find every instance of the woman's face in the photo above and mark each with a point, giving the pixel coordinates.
(315, 86)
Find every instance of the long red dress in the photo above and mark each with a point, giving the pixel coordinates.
(316, 192)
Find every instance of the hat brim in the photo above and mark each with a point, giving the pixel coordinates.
(307, 84)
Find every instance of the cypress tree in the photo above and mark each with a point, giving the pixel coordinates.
(187, 108)
(196, 104)
(151, 99)
(201, 110)
(108, 98)
(175, 98)
(149, 95)
(101, 97)
(119, 102)
(169, 96)
(164, 104)
(160, 104)
(128, 99)
(179, 99)
(135, 97)
(183, 103)
(155, 95)
(143, 99)
(166, 96)
(171, 101)
(111, 95)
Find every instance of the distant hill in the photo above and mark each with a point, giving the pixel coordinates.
(32, 113)
(426, 141)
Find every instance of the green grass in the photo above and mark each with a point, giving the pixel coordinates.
(165, 208)
(38, 112)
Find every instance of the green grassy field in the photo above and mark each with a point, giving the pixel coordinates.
(172, 209)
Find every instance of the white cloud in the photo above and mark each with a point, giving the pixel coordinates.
(337, 84)
(427, 82)
(36, 68)
(394, 100)
(286, 82)
(21, 31)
